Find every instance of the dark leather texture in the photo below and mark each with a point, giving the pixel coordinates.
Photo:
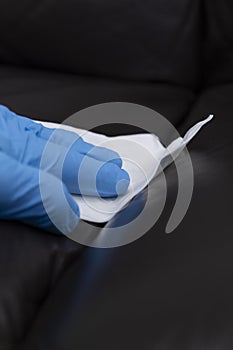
(162, 291)
(131, 39)
(218, 41)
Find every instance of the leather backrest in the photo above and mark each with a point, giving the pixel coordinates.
(218, 41)
(155, 40)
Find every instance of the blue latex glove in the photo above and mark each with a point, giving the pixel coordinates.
(20, 197)
(22, 143)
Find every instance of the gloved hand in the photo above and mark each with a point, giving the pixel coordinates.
(22, 143)
(20, 197)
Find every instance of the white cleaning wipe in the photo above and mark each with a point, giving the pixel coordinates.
(141, 155)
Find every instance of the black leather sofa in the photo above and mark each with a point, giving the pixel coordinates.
(162, 291)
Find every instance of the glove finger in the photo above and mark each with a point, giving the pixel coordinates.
(112, 181)
(68, 138)
(35, 197)
(83, 174)
(94, 178)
